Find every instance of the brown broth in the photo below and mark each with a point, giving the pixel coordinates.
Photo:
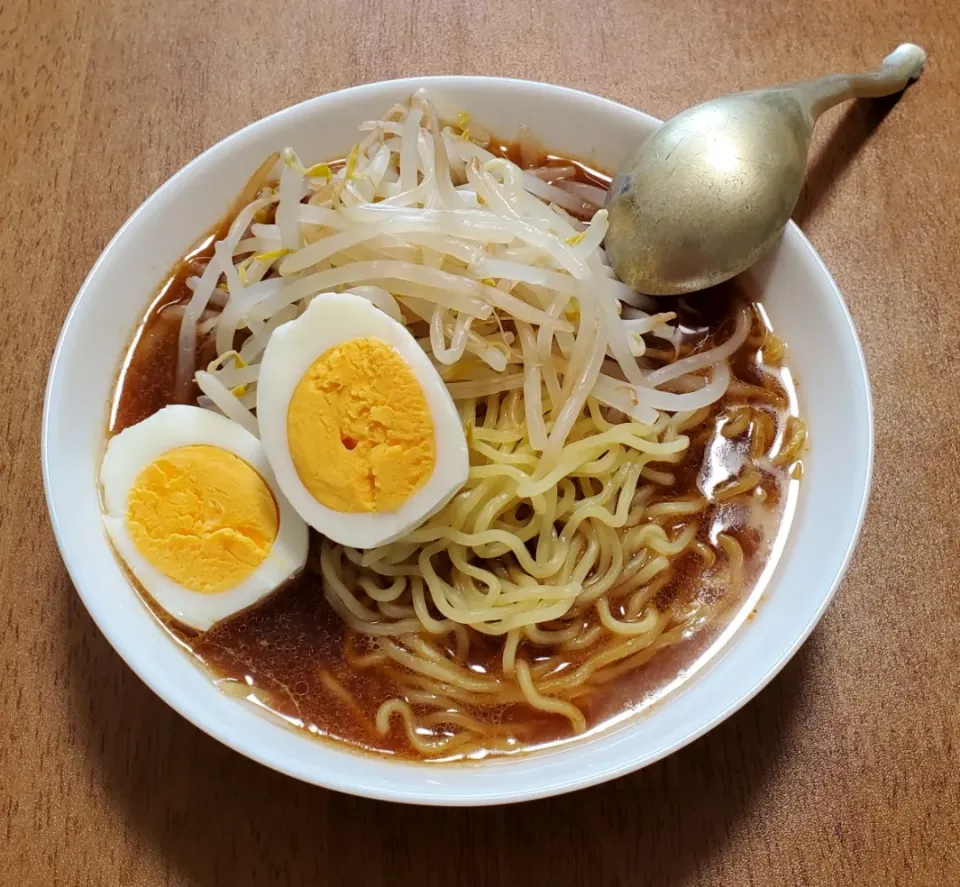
(284, 651)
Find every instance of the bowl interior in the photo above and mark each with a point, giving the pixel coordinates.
(798, 294)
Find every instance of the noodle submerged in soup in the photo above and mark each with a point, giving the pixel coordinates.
(632, 463)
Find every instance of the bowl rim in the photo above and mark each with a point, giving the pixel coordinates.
(332, 779)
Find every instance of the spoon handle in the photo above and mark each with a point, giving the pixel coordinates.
(893, 74)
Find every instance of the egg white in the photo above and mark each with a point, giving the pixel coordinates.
(332, 318)
(136, 447)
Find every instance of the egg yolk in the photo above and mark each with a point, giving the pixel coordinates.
(202, 517)
(359, 430)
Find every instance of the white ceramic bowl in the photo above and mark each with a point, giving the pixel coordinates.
(801, 299)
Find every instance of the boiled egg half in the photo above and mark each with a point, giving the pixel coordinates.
(192, 507)
(362, 435)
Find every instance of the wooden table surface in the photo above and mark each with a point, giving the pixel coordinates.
(845, 770)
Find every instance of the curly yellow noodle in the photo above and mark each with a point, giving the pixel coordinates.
(429, 747)
(642, 596)
(643, 626)
(545, 703)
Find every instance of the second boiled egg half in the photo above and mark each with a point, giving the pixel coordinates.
(361, 433)
(191, 505)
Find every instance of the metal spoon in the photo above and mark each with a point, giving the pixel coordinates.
(704, 196)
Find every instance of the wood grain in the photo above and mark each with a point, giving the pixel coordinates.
(844, 771)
